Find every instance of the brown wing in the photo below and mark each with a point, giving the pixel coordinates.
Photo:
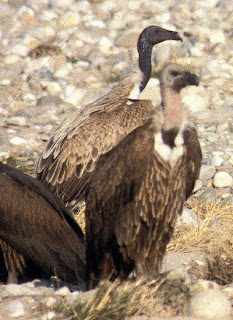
(76, 146)
(31, 225)
(112, 184)
(133, 199)
(194, 158)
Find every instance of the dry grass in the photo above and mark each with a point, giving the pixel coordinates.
(214, 236)
(214, 233)
(119, 300)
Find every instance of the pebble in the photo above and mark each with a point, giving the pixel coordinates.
(206, 173)
(17, 121)
(73, 95)
(14, 309)
(216, 161)
(210, 304)
(188, 217)
(97, 42)
(16, 141)
(70, 19)
(60, 3)
(222, 180)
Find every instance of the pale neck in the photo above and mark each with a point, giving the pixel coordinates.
(172, 108)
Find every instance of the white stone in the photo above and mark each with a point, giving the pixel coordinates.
(210, 304)
(18, 121)
(62, 71)
(17, 141)
(64, 291)
(74, 95)
(206, 173)
(188, 216)
(5, 82)
(105, 45)
(52, 87)
(12, 59)
(70, 19)
(18, 49)
(49, 316)
(14, 309)
(43, 34)
(60, 3)
(29, 97)
(217, 36)
(195, 103)
(222, 180)
(198, 185)
(231, 160)
(25, 10)
(216, 161)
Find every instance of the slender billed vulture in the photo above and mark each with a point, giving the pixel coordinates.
(137, 190)
(75, 147)
(36, 228)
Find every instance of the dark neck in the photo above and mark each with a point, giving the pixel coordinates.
(144, 51)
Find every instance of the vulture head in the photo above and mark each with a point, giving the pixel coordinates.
(177, 77)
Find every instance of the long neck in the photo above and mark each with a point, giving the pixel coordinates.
(172, 108)
(144, 51)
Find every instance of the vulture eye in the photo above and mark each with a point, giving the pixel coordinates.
(175, 73)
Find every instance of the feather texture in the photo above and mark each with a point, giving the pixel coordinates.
(37, 226)
(136, 191)
(96, 128)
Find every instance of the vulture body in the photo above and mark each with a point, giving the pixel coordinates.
(36, 228)
(137, 189)
(75, 147)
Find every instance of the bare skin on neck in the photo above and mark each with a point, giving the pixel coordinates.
(172, 108)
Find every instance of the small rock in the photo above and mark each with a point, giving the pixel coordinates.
(60, 3)
(217, 37)
(197, 186)
(49, 101)
(14, 309)
(64, 291)
(202, 285)
(19, 49)
(16, 141)
(206, 173)
(216, 161)
(105, 45)
(188, 216)
(50, 302)
(210, 304)
(195, 103)
(18, 121)
(74, 95)
(69, 19)
(222, 180)
(12, 59)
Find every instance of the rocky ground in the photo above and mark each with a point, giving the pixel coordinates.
(56, 55)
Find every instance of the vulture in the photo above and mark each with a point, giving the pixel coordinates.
(75, 147)
(136, 190)
(38, 231)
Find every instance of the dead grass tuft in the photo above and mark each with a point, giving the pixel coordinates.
(218, 268)
(214, 233)
(119, 300)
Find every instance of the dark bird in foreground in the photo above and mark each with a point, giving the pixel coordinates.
(75, 147)
(138, 189)
(36, 228)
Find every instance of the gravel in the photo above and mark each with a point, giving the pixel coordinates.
(57, 55)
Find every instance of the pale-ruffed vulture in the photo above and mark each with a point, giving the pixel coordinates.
(75, 147)
(137, 190)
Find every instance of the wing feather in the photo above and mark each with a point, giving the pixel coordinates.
(73, 155)
(39, 227)
(194, 158)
